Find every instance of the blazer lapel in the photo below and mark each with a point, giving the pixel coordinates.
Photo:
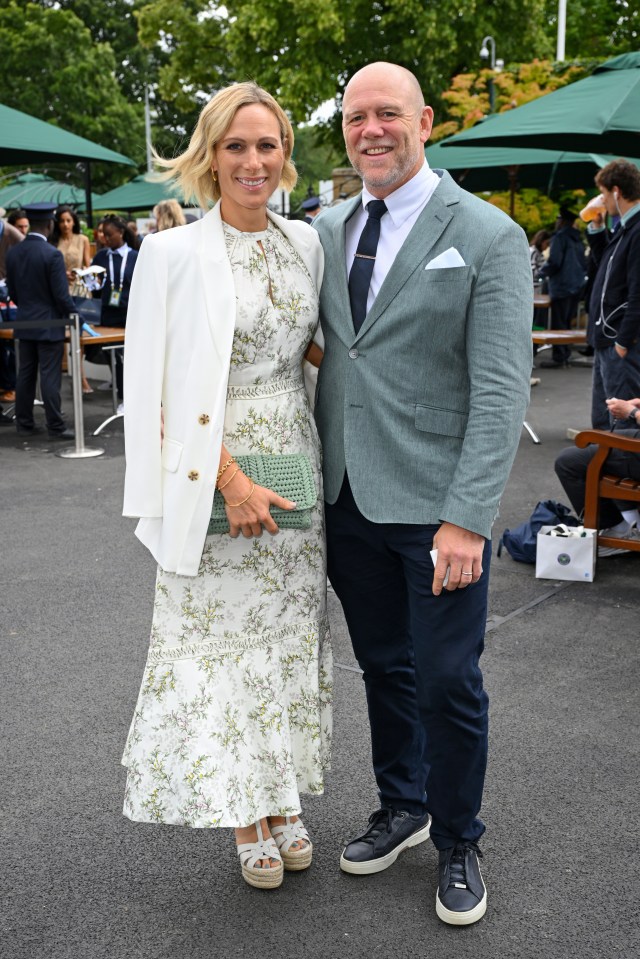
(217, 282)
(424, 235)
(337, 274)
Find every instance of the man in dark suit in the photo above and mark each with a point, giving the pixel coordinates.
(37, 283)
(311, 207)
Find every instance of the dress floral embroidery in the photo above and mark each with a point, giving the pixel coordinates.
(233, 719)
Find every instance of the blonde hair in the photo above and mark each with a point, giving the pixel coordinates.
(168, 213)
(192, 169)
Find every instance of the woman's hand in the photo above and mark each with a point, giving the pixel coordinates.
(251, 515)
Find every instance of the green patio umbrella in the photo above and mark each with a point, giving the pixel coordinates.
(25, 139)
(141, 193)
(38, 188)
(512, 168)
(600, 113)
(491, 168)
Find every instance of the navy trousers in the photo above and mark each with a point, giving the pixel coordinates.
(571, 469)
(46, 354)
(420, 656)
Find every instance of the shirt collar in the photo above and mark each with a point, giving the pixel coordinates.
(631, 212)
(407, 198)
(121, 250)
(41, 235)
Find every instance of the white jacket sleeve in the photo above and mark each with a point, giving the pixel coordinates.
(145, 344)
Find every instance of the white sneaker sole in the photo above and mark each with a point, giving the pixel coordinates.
(461, 918)
(379, 865)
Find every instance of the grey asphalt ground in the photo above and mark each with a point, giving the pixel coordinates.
(81, 882)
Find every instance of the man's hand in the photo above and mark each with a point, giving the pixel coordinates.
(621, 409)
(621, 351)
(461, 551)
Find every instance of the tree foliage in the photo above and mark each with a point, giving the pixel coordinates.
(467, 99)
(596, 28)
(51, 69)
(304, 51)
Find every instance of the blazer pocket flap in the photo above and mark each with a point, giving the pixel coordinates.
(450, 273)
(171, 453)
(445, 422)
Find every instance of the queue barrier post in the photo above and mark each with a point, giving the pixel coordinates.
(79, 451)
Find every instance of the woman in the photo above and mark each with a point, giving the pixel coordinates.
(98, 236)
(119, 259)
(539, 243)
(233, 720)
(74, 246)
(167, 214)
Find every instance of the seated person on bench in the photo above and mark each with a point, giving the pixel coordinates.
(571, 469)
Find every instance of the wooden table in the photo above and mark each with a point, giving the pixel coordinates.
(554, 337)
(108, 335)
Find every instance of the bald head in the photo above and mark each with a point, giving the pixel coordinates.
(387, 75)
(385, 124)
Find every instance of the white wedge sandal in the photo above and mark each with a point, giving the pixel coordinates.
(267, 877)
(285, 836)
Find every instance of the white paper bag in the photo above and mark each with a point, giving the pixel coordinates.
(566, 557)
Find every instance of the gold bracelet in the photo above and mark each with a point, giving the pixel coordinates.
(225, 467)
(230, 478)
(233, 505)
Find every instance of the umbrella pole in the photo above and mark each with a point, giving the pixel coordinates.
(512, 172)
(87, 188)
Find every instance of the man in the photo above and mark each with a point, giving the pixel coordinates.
(311, 207)
(614, 306)
(9, 236)
(20, 220)
(421, 397)
(567, 272)
(617, 517)
(37, 282)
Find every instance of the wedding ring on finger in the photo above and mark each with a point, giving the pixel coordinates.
(463, 573)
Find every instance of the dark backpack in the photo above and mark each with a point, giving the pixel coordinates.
(521, 542)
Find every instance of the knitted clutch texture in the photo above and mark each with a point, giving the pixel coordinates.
(288, 474)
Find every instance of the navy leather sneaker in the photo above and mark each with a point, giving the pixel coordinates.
(390, 832)
(461, 897)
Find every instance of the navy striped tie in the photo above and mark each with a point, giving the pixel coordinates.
(362, 269)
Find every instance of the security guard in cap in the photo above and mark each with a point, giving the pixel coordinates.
(37, 282)
(311, 207)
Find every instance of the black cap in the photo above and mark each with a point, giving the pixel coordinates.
(311, 203)
(567, 215)
(39, 212)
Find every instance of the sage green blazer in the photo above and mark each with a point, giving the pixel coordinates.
(424, 406)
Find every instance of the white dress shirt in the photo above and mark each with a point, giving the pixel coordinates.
(404, 206)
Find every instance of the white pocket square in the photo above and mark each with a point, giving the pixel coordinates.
(450, 257)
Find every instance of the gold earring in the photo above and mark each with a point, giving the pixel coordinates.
(215, 178)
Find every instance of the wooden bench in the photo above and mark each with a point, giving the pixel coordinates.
(602, 485)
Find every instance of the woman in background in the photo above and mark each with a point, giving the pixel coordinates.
(119, 259)
(168, 213)
(74, 246)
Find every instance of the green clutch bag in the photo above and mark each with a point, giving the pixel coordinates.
(288, 474)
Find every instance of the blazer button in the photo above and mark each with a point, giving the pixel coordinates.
(194, 475)
(203, 419)
(353, 354)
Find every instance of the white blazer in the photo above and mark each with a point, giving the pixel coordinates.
(180, 323)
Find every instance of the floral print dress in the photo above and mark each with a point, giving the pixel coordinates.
(233, 719)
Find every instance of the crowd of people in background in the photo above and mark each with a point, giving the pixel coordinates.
(594, 268)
